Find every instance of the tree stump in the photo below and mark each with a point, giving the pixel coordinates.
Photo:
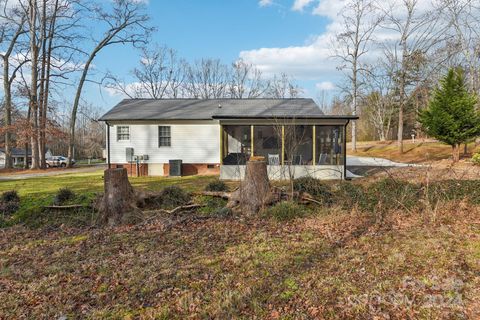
(119, 201)
(254, 192)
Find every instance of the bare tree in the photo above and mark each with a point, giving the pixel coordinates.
(125, 24)
(379, 105)
(282, 87)
(246, 81)
(207, 79)
(418, 32)
(463, 18)
(11, 28)
(360, 19)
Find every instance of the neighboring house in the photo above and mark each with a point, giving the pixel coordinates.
(18, 156)
(218, 136)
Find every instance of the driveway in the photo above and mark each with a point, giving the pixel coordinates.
(360, 166)
(52, 172)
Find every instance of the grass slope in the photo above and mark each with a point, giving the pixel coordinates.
(413, 152)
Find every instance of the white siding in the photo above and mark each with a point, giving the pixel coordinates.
(191, 143)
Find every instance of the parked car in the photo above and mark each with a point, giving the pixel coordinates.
(58, 161)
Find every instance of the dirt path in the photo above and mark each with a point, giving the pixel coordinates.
(22, 175)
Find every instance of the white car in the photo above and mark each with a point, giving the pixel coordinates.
(58, 161)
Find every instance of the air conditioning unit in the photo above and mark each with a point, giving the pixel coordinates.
(129, 154)
(175, 168)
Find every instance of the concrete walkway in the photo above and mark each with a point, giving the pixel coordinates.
(47, 173)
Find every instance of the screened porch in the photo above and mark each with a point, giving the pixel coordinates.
(307, 149)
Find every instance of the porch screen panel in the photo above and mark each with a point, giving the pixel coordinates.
(238, 144)
(329, 145)
(267, 142)
(299, 144)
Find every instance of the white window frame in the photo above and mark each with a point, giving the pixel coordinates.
(118, 133)
(169, 137)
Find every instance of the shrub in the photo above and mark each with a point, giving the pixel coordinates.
(63, 195)
(314, 187)
(476, 159)
(173, 196)
(389, 194)
(10, 196)
(217, 186)
(349, 195)
(286, 210)
(9, 202)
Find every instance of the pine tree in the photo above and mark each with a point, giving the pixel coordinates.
(451, 116)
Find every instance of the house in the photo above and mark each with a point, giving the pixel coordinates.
(217, 136)
(18, 156)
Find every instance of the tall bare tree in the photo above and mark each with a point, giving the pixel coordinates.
(418, 31)
(207, 79)
(125, 23)
(360, 19)
(11, 28)
(246, 81)
(159, 75)
(283, 86)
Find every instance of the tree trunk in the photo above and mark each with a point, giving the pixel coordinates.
(119, 201)
(8, 114)
(254, 192)
(34, 83)
(456, 152)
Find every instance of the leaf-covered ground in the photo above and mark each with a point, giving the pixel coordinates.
(331, 264)
(381, 250)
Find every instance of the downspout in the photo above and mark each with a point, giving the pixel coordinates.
(345, 150)
(108, 145)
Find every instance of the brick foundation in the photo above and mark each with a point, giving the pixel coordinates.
(132, 169)
(188, 169)
(192, 169)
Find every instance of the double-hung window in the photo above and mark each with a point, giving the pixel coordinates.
(123, 133)
(164, 136)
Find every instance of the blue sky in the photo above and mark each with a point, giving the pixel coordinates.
(273, 35)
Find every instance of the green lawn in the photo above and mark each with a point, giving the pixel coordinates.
(38, 192)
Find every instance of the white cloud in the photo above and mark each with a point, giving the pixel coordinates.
(314, 59)
(325, 86)
(265, 3)
(299, 5)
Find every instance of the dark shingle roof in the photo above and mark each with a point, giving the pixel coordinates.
(17, 152)
(207, 109)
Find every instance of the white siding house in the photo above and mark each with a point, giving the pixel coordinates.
(218, 136)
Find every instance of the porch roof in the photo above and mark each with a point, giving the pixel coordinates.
(208, 109)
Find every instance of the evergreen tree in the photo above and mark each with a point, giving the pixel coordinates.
(451, 116)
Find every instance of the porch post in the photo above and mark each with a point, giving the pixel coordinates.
(283, 145)
(222, 147)
(314, 138)
(252, 143)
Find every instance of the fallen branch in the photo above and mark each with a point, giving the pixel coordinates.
(218, 194)
(175, 210)
(73, 206)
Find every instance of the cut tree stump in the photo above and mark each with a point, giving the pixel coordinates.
(254, 193)
(119, 203)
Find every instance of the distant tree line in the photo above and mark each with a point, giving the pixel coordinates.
(161, 74)
(394, 52)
